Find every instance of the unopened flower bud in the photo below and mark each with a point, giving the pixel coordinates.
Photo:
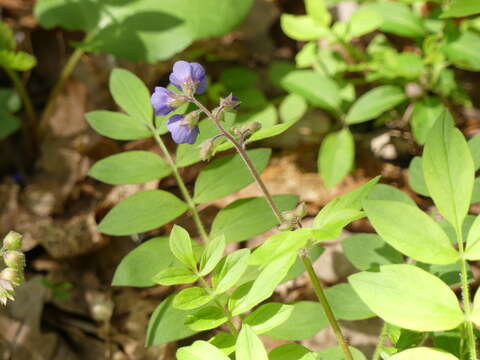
(231, 102)
(206, 149)
(301, 210)
(14, 259)
(289, 216)
(12, 241)
(12, 275)
(253, 127)
(5, 294)
(191, 119)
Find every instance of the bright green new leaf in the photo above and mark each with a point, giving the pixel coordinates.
(263, 286)
(411, 231)
(201, 350)
(131, 94)
(317, 10)
(366, 251)
(462, 8)
(230, 270)
(336, 157)
(280, 245)
(212, 255)
(9, 100)
(362, 22)
(346, 304)
(449, 274)
(206, 318)
(130, 167)
(398, 18)
(291, 352)
(425, 112)
(140, 212)
(336, 353)
(302, 28)
(167, 324)
(448, 170)
(228, 174)
(388, 192)
(19, 60)
(116, 125)
(174, 275)
(375, 102)
(191, 298)
(319, 90)
(292, 107)
(340, 212)
(246, 218)
(409, 297)
(306, 320)
(423, 353)
(268, 316)
(472, 252)
(181, 246)
(249, 346)
(143, 262)
(416, 179)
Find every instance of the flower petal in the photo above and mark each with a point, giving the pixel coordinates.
(202, 86)
(198, 72)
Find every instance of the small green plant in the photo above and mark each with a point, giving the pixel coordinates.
(14, 259)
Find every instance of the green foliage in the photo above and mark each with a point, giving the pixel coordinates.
(373, 103)
(367, 251)
(423, 353)
(249, 346)
(461, 8)
(268, 316)
(153, 30)
(409, 297)
(142, 212)
(142, 263)
(246, 218)
(167, 324)
(201, 350)
(227, 174)
(306, 319)
(449, 170)
(131, 167)
(336, 353)
(117, 126)
(336, 157)
(410, 231)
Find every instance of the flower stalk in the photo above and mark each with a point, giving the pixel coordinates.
(240, 148)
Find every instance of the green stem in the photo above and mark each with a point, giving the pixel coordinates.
(326, 306)
(381, 343)
(183, 188)
(466, 295)
(23, 93)
(304, 255)
(230, 324)
(65, 74)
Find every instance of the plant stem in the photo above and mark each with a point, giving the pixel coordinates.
(381, 342)
(65, 74)
(246, 159)
(466, 295)
(23, 93)
(183, 188)
(230, 324)
(303, 254)
(326, 306)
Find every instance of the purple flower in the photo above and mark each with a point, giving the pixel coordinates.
(182, 132)
(165, 101)
(189, 77)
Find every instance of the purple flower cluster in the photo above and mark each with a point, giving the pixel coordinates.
(190, 79)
